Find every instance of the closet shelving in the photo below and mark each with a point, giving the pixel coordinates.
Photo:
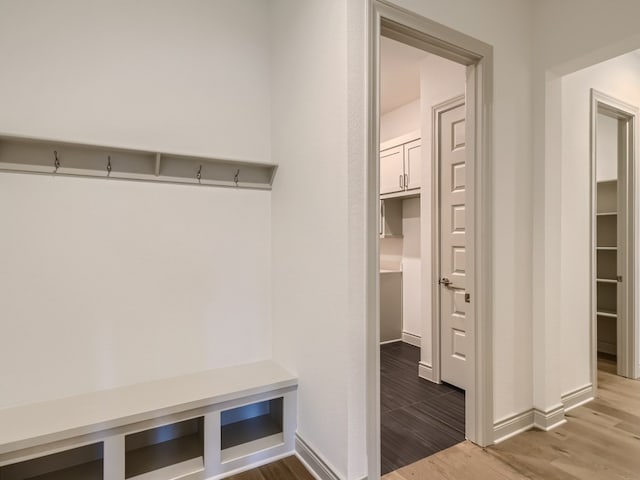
(606, 262)
(43, 156)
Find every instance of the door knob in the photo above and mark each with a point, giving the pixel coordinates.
(445, 281)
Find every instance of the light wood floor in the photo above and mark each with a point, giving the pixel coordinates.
(600, 441)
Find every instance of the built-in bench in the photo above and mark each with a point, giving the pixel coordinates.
(199, 426)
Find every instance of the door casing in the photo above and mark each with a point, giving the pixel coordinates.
(627, 324)
(412, 29)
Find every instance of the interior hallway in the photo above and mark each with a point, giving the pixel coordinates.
(600, 441)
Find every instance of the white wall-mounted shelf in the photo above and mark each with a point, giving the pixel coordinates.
(38, 156)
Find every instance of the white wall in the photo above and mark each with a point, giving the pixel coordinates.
(107, 283)
(600, 33)
(310, 219)
(402, 120)
(606, 143)
(620, 78)
(411, 267)
(184, 76)
(440, 80)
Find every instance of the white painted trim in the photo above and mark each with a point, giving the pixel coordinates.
(578, 397)
(410, 28)
(521, 422)
(512, 426)
(550, 419)
(251, 466)
(627, 325)
(314, 462)
(426, 371)
(411, 339)
(391, 341)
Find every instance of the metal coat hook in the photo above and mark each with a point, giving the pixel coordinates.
(199, 174)
(56, 162)
(235, 178)
(108, 165)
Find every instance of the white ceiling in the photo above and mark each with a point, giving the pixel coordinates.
(399, 74)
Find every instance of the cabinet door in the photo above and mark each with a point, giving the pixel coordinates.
(392, 170)
(413, 164)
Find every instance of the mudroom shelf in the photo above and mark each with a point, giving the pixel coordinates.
(53, 157)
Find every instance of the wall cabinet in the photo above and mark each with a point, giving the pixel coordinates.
(400, 168)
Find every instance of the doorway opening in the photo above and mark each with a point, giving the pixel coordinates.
(422, 254)
(613, 154)
(429, 237)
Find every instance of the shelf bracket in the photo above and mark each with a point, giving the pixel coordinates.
(157, 172)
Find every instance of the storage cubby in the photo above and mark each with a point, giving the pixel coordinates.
(82, 463)
(165, 446)
(252, 427)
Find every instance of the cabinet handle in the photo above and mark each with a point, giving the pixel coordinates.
(406, 180)
(401, 178)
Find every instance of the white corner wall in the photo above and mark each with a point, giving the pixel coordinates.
(620, 78)
(440, 80)
(400, 121)
(310, 219)
(600, 33)
(106, 283)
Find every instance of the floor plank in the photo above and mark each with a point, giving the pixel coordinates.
(418, 418)
(600, 441)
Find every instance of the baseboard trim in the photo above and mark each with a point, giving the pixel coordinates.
(512, 426)
(578, 397)
(606, 347)
(412, 339)
(318, 467)
(550, 419)
(386, 342)
(426, 371)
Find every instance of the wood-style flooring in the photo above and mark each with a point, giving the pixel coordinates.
(289, 468)
(600, 441)
(417, 418)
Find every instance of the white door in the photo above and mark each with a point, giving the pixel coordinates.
(453, 329)
(413, 164)
(392, 170)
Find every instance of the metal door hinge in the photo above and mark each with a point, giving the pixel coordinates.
(467, 297)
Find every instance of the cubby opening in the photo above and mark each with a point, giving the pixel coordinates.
(165, 446)
(250, 428)
(82, 463)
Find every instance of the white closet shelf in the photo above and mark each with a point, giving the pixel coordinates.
(605, 249)
(606, 280)
(606, 214)
(606, 313)
(54, 157)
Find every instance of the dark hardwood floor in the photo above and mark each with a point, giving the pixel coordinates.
(417, 418)
(289, 468)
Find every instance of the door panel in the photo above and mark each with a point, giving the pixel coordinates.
(452, 156)
(392, 170)
(413, 164)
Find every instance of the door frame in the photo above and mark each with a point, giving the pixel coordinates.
(627, 324)
(410, 28)
(436, 246)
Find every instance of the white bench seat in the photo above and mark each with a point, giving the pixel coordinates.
(80, 416)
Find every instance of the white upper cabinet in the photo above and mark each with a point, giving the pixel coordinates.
(413, 163)
(400, 166)
(392, 170)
